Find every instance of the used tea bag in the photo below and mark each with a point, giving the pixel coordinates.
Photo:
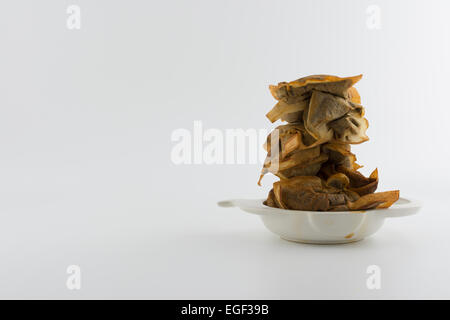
(312, 153)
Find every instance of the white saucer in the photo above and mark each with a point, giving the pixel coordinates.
(323, 227)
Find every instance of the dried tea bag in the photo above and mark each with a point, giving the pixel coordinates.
(312, 155)
(299, 90)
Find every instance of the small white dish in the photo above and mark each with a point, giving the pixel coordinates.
(323, 227)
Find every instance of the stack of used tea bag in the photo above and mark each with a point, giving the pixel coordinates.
(311, 154)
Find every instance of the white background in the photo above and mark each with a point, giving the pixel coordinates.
(86, 176)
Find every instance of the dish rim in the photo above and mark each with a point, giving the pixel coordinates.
(403, 203)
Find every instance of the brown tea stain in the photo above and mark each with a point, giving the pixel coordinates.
(349, 235)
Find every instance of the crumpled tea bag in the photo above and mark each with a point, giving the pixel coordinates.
(312, 153)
